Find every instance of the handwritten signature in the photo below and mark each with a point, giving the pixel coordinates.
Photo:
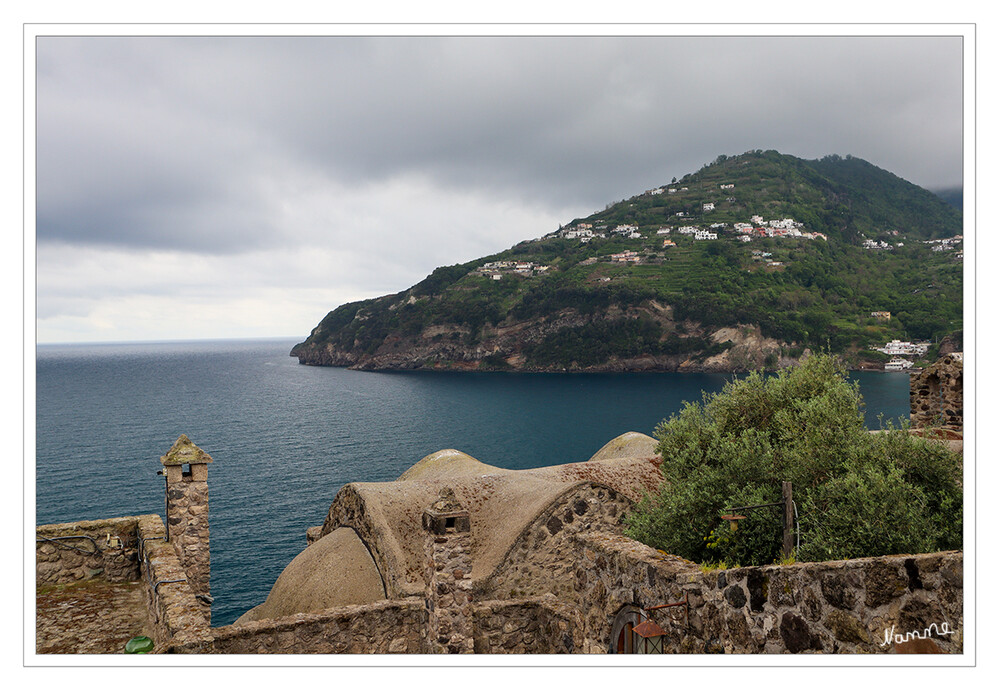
(892, 636)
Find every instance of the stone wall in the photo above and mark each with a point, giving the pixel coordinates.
(539, 625)
(865, 605)
(542, 559)
(936, 395)
(175, 616)
(70, 552)
(837, 607)
(390, 627)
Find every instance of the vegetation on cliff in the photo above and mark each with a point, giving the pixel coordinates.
(858, 494)
(573, 305)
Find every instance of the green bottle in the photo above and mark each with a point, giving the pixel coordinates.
(139, 645)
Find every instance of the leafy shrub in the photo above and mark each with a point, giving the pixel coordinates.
(858, 494)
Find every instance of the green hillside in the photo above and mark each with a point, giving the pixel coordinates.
(571, 304)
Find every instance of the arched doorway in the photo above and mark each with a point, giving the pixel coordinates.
(621, 638)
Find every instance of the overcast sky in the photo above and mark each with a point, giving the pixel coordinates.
(243, 187)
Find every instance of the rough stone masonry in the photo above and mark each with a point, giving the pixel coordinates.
(187, 514)
(936, 395)
(448, 544)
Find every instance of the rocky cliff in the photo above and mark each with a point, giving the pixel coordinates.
(502, 348)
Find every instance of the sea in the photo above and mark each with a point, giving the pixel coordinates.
(285, 437)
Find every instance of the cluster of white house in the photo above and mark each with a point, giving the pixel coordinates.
(942, 245)
(904, 347)
(946, 244)
(697, 233)
(495, 269)
(584, 232)
(629, 231)
(784, 227)
(897, 348)
(875, 244)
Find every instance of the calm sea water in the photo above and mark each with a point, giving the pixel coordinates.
(285, 437)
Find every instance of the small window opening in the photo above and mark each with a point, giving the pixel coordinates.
(449, 523)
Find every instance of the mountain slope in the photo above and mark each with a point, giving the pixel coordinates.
(746, 263)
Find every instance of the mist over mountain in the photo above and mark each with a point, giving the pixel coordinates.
(952, 195)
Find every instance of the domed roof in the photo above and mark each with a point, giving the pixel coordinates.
(630, 444)
(447, 463)
(336, 570)
(381, 522)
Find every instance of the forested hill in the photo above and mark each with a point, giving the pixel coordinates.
(748, 262)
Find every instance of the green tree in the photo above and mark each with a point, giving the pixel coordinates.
(858, 494)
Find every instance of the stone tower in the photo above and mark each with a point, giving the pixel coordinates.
(448, 545)
(186, 469)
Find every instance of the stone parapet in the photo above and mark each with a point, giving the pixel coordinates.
(390, 627)
(539, 625)
(74, 551)
(175, 613)
(836, 607)
(887, 604)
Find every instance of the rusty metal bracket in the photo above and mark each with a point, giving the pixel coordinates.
(685, 604)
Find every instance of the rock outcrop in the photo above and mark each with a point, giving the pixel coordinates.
(501, 348)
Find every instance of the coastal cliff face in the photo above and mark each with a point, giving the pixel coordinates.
(505, 347)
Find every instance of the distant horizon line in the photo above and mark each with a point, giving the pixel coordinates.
(164, 341)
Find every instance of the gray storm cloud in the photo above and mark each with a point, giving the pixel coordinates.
(160, 141)
(355, 165)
